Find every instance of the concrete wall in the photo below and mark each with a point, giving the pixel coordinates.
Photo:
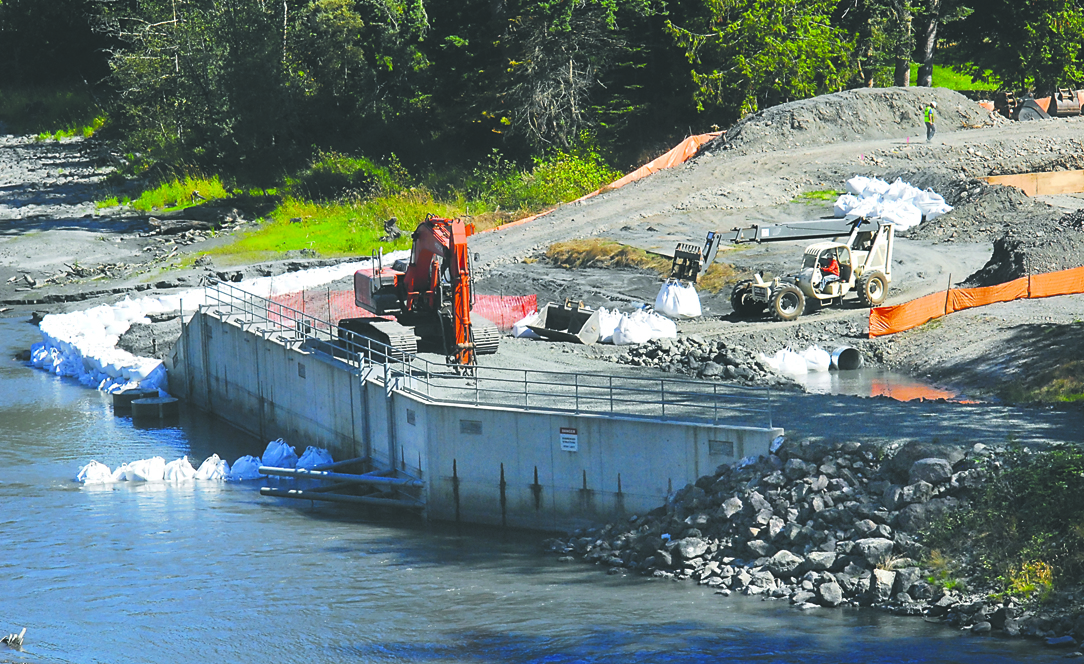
(480, 464)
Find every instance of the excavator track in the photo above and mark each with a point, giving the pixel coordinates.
(485, 334)
(400, 338)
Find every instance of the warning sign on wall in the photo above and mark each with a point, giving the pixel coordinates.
(570, 440)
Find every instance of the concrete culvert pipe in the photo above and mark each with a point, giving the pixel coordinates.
(122, 401)
(846, 358)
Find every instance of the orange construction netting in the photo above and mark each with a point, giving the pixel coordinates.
(901, 317)
(333, 306)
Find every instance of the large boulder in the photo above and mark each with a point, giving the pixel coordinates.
(691, 547)
(830, 594)
(761, 548)
(898, 467)
(881, 584)
(784, 563)
(873, 549)
(935, 471)
(919, 492)
(820, 561)
(730, 507)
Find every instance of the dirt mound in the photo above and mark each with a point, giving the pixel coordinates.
(852, 115)
(982, 212)
(1034, 249)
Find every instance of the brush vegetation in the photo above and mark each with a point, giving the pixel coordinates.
(1023, 532)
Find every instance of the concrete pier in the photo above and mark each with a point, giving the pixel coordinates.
(540, 467)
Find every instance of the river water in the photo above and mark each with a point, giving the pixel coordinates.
(215, 573)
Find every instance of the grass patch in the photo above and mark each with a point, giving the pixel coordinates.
(336, 229)
(946, 77)
(600, 252)
(181, 193)
(822, 195)
(113, 201)
(86, 131)
(604, 253)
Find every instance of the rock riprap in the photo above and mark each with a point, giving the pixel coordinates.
(818, 524)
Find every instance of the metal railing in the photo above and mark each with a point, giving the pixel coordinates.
(528, 389)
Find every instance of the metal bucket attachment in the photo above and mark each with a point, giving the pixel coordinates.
(846, 358)
(1029, 109)
(1064, 103)
(567, 322)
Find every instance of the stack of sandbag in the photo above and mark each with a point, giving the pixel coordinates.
(155, 469)
(898, 203)
(813, 359)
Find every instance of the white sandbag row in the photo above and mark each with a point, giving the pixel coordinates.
(899, 203)
(615, 327)
(83, 344)
(813, 359)
(678, 300)
(155, 469)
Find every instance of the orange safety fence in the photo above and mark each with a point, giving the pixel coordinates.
(677, 155)
(333, 306)
(909, 315)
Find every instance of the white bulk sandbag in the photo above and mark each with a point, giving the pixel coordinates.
(520, 330)
(786, 362)
(632, 330)
(213, 468)
(678, 300)
(902, 214)
(900, 191)
(856, 185)
(608, 320)
(866, 207)
(279, 455)
(146, 470)
(817, 359)
(844, 204)
(313, 457)
(246, 468)
(769, 362)
(95, 473)
(179, 470)
(661, 326)
(875, 187)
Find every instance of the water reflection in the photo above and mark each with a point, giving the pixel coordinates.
(873, 382)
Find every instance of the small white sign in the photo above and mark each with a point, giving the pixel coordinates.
(570, 440)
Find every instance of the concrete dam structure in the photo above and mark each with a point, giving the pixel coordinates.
(513, 447)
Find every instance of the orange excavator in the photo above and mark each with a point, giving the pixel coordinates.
(428, 298)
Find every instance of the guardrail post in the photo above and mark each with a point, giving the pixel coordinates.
(662, 396)
(526, 390)
(769, 407)
(715, 403)
(576, 381)
(611, 395)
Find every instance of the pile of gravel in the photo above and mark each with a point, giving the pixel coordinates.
(154, 339)
(820, 524)
(694, 356)
(852, 115)
(1034, 248)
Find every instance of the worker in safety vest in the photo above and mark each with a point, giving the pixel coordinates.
(928, 116)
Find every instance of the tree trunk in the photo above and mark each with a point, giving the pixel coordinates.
(903, 72)
(928, 42)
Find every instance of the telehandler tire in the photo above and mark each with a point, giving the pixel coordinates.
(741, 300)
(872, 288)
(788, 303)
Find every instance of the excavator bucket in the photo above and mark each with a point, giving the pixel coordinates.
(1029, 109)
(1064, 103)
(567, 322)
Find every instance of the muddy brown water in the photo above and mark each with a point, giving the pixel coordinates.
(213, 572)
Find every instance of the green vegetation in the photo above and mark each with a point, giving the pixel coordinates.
(1024, 529)
(181, 193)
(822, 195)
(604, 253)
(946, 77)
(50, 112)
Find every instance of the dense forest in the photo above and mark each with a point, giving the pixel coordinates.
(259, 86)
